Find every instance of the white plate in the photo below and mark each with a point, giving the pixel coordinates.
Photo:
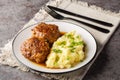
(63, 26)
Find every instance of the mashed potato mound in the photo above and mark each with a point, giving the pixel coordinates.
(66, 52)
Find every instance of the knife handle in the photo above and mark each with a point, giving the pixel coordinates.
(81, 16)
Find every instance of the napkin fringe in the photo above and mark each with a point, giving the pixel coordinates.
(99, 9)
(7, 58)
(39, 16)
(85, 4)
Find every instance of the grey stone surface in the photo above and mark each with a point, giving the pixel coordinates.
(15, 13)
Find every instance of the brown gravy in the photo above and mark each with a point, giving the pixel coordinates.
(43, 64)
(38, 64)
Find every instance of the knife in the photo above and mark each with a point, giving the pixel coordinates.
(80, 16)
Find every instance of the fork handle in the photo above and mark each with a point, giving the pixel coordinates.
(90, 25)
(81, 16)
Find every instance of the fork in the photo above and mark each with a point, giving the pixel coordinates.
(61, 17)
(107, 24)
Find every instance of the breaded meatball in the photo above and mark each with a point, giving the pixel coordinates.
(35, 50)
(50, 32)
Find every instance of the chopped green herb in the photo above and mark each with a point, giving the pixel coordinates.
(78, 37)
(57, 50)
(69, 36)
(71, 39)
(55, 63)
(76, 43)
(72, 50)
(80, 43)
(62, 43)
(72, 44)
(68, 58)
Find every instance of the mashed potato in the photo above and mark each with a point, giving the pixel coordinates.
(66, 52)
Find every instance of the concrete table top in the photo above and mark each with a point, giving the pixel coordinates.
(15, 13)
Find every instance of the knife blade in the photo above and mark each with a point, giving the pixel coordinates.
(81, 16)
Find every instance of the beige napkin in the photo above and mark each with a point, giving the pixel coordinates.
(7, 58)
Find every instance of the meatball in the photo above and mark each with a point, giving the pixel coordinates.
(35, 50)
(50, 32)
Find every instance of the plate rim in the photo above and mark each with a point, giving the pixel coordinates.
(53, 71)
